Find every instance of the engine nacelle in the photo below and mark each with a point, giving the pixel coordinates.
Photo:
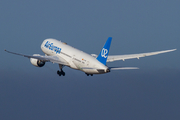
(36, 62)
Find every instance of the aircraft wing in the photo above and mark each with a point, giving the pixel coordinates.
(112, 58)
(53, 59)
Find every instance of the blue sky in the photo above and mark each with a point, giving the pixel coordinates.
(135, 26)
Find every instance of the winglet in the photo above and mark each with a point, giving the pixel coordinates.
(104, 52)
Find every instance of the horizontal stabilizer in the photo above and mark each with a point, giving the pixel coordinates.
(123, 68)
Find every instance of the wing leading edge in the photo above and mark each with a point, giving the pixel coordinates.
(53, 59)
(112, 58)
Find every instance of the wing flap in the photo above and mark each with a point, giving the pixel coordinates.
(112, 58)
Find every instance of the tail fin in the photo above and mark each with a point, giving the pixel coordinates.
(104, 52)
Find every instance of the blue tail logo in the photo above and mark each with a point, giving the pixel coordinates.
(104, 52)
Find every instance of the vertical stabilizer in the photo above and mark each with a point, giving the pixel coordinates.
(104, 52)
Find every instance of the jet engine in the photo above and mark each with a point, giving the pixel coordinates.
(36, 62)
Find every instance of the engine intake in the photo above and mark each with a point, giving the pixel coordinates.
(36, 62)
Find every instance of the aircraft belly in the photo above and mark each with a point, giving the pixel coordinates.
(72, 65)
(93, 71)
(90, 71)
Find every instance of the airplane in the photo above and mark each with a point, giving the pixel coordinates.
(65, 55)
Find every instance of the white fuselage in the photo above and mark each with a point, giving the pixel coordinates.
(75, 58)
